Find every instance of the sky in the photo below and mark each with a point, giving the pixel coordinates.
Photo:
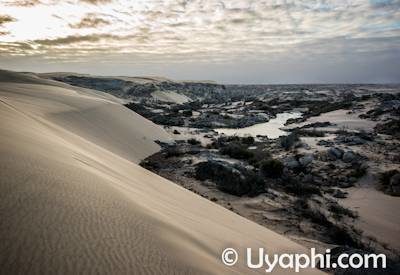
(229, 41)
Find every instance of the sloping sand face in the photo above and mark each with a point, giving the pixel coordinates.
(377, 215)
(73, 201)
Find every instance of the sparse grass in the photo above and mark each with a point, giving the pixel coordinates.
(338, 232)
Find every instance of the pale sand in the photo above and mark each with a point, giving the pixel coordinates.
(170, 96)
(378, 215)
(73, 201)
(342, 120)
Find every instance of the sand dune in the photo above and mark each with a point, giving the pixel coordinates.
(342, 120)
(375, 209)
(170, 96)
(72, 199)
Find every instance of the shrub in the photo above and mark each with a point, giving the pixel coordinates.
(249, 140)
(301, 189)
(193, 141)
(359, 171)
(187, 113)
(310, 133)
(229, 178)
(339, 211)
(346, 235)
(324, 107)
(389, 128)
(236, 151)
(228, 139)
(288, 141)
(173, 152)
(312, 213)
(385, 177)
(272, 168)
(259, 156)
(339, 233)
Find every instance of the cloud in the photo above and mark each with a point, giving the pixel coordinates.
(90, 21)
(23, 3)
(74, 39)
(96, 2)
(4, 18)
(208, 29)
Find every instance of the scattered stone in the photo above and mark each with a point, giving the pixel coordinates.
(176, 132)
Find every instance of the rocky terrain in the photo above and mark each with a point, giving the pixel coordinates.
(298, 184)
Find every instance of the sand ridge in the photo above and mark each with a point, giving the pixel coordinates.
(73, 200)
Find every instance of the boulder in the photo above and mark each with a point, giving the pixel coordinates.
(291, 163)
(335, 153)
(304, 145)
(354, 140)
(306, 160)
(350, 156)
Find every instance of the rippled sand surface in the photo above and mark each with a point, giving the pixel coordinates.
(74, 201)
